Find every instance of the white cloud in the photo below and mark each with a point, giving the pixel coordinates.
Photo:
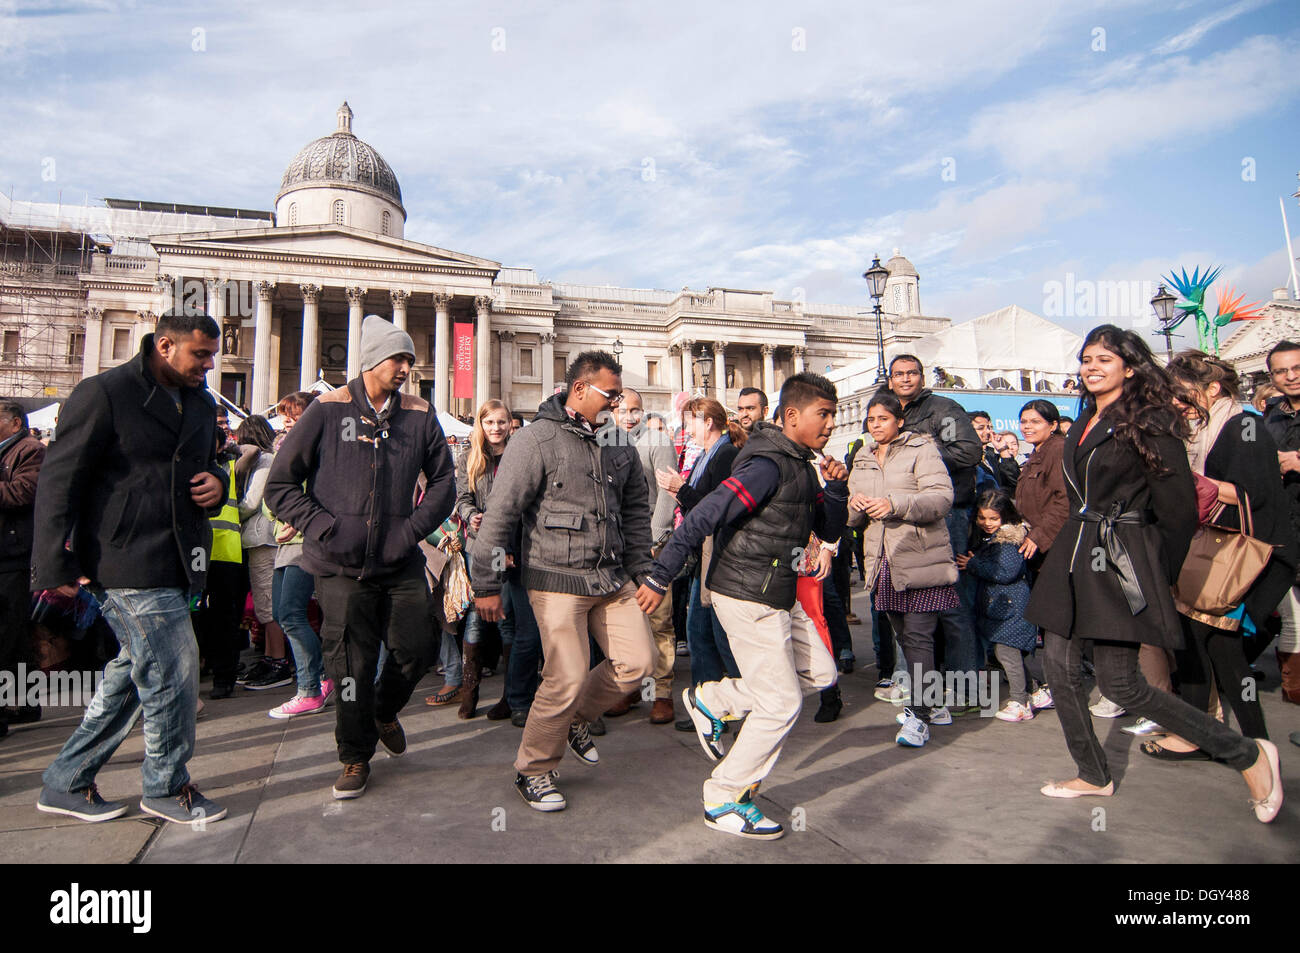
(1197, 31)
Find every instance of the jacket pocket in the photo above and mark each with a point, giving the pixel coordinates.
(347, 544)
(562, 545)
(120, 518)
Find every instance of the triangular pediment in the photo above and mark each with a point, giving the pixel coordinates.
(327, 241)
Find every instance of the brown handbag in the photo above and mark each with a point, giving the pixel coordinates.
(1221, 566)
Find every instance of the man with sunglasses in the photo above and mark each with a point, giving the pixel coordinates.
(571, 484)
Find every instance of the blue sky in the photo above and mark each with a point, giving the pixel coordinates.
(753, 144)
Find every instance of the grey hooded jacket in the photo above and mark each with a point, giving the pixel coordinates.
(582, 499)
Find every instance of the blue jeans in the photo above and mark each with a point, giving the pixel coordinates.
(291, 590)
(452, 670)
(961, 652)
(711, 658)
(156, 672)
(526, 651)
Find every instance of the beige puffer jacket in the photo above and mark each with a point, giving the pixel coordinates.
(914, 537)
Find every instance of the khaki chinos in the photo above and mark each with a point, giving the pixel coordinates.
(781, 658)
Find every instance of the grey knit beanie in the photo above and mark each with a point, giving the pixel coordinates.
(382, 339)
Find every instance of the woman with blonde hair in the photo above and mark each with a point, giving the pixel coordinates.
(475, 471)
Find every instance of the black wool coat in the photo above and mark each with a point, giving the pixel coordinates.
(1079, 591)
(113, 499)
(1246, 456)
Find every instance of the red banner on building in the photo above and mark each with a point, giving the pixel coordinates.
(463, 342)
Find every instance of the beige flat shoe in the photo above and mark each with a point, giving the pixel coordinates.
(1267, 808)
(1058, 789)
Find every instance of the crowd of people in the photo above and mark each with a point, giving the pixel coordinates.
(579, 555)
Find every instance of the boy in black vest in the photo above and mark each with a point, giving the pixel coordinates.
(762, 516)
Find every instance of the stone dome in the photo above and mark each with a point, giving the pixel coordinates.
(341, 160)
(900, 267)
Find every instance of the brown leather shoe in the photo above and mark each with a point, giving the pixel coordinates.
(662, 713)
(626, 705)
(1289, 663)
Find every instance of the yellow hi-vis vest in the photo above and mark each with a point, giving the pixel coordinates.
(225, 527)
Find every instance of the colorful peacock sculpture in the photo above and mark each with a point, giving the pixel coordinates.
(1192, 304)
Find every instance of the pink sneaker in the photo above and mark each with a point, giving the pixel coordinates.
(1015, 712)
(326, 688)
(299, 705)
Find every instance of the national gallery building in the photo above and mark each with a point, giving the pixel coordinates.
(80, 286)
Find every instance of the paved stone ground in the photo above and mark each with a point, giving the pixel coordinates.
(970, 795)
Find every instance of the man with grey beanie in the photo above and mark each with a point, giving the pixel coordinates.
(346, 477)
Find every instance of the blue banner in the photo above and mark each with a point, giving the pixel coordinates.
(1004, 408)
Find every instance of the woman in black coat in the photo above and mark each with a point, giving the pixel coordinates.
(1234, 450)
(1108, 575)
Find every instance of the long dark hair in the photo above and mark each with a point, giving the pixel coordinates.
(256, 432)
(1000, 502)
(1145, 408)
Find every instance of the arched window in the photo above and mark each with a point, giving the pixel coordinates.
(1043, 386)
(293, 213)
(340, 212)
(999, 383)
(385, 225)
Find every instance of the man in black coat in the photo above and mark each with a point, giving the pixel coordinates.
(346, 478)
(1282, 419)
(998, 463)
(947, 423)
(123, 507)
(21, 456)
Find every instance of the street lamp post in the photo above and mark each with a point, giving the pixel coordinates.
(1163, 306)
(876, 277)
(702, 364)
(618, 349)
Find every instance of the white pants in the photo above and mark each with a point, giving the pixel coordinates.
(1289, 610)
(781, 658)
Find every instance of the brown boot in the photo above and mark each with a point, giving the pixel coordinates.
(501, 711)
(1289, 663)
(662, 713)
(623, 707)
(469, 681)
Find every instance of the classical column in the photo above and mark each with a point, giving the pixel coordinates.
(675, 368)
(399, 307)
(215, 305)
(356, 298)
(144, 324)
(166, 293)
(442, 350)
(688, 367)
(261, 395)
(273, 372)
(94, 341)
(548, 364)
(506, 348)
(720, 371)
(310, 336)
(483, 344)
(769, 371)
(798, 353)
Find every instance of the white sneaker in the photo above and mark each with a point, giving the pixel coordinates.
(914, 733)
(1041, 699)
(894, 694)
(1105, 708)
(742, 818)
(938, 716)
(1014, 711)
(1144, 726)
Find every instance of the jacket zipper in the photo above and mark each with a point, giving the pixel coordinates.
(767, 580)
(1084, 496)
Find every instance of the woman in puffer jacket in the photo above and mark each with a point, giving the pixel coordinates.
(900, 491)
(996, 561)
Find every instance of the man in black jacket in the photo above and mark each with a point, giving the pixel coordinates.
(1282, 418)
(997, 462)
(123, 506)
(346, 478)
(21, 456)
(947, 423)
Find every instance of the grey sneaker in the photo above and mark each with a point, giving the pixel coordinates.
(187, 806)
(392, 737)
(84, 805)
(539, 791)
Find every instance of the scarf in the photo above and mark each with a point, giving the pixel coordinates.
(1205, 433)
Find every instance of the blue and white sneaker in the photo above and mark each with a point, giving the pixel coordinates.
(914, 733)
(708, 728)
(84, 805)
(742, 818)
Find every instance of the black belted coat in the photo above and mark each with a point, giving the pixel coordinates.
(1109, 572)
